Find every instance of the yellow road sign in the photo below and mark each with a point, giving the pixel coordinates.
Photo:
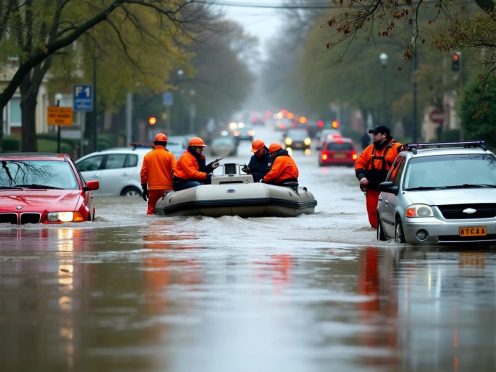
(59, 116)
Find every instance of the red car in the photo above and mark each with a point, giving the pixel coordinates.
(338, 151)
(43, 188)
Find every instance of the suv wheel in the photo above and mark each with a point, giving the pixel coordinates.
(131, 192)
(399, 236)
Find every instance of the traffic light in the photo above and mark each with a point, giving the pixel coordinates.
(455, 61)
(152, 120)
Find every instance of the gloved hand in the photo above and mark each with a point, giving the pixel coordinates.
(246, 169)
(144, 192)
(211, 166)
(363, 184)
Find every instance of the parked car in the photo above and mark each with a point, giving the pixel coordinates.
(118, 170)
(327, 135)
(338, 151)
(44, 188)
(223, 146)
(297, 139)
(439, 193)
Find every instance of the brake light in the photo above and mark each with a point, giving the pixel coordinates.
(354, 156)
(324, 156)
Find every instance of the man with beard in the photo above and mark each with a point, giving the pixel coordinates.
(372, 166)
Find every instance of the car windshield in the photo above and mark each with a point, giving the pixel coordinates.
(451, 171)
(37, 174)
(297, 134)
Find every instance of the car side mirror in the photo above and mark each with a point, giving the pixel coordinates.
(388, 186)
(92, 185)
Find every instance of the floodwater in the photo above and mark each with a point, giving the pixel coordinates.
(314, 293)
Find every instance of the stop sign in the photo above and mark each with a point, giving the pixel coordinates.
(437, 116)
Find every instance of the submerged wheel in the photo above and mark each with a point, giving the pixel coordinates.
(380, 230)
(399, 236)
(131, 191)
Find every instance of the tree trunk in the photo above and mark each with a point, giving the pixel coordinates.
(29, 93)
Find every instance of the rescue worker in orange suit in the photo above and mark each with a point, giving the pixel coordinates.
(156, 172)
(260, 161)
(372, 166)
(283, 171)
(191, 169)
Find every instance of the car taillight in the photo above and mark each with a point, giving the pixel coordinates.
(324, 156)
(354, 156)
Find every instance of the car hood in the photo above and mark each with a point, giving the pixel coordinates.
(39, 200)
(452, 196)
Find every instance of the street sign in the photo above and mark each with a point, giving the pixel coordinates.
(59, 116)
(83, 98)
(167, 99)
(437, 116)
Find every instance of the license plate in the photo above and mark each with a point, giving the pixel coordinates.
(472, 231)
(339, 155)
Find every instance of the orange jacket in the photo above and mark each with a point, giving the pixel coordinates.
(283, 168)
(158, 168)
(187, 168)
(374, 162)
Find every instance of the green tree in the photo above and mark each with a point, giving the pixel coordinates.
(477, 110)
(50, 26)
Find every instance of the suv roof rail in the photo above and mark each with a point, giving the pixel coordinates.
(413, 147)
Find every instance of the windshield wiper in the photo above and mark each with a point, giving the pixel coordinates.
(38, 186)
(471, 185)
(10, 188)
(421, 188)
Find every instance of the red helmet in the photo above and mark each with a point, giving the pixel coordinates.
(257, 145)
(196, 142)
(274, 147)
(160, 137)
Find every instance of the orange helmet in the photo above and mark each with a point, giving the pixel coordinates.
(257, 145)
(196, 142)
(274, 147)
(160, 137)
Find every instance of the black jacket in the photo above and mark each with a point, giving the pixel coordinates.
(259, 166)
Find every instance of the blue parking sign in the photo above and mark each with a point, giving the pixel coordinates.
(83, 97)
(167, 99)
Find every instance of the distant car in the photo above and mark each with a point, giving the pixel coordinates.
(244, 132)
(338, 151)
(297, 139)
(118, 170)
(440, 193)
(326, 135)
(223, 146)
(44, 188)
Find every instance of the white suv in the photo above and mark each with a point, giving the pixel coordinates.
(118, 170)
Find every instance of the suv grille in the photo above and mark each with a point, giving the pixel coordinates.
(453, 212)
(24, 218)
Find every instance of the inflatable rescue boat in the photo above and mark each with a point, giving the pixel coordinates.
(235, 194)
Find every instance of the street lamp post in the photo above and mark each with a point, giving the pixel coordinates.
(58, 98)
(383, 58)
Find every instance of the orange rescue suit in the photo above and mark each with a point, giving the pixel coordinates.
(283, 169)
(158, 168)
(187, 168)
(374, 162)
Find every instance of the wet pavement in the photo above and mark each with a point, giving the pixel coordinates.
(132, 292)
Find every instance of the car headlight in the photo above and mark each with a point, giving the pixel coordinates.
(419, 210)
(288, 141)
(65, 217)
(307, 141)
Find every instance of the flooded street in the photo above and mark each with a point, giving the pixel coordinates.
(314, 293)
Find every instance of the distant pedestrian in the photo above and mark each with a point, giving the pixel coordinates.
(372, 166)
(156, 172)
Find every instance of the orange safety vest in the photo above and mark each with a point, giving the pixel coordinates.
(283, 169)
(374, 163)
(158, 168)
(187, 168)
